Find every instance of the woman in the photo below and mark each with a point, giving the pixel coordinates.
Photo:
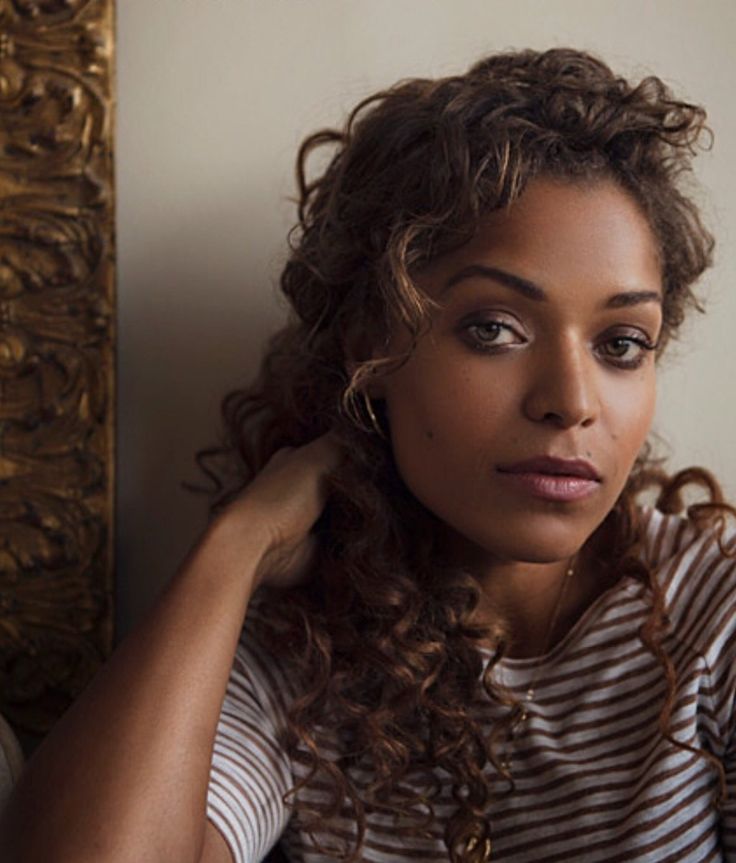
(469, 640)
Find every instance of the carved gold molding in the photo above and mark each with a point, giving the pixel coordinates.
(57, 331)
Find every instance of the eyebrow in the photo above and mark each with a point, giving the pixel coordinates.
(532, 291)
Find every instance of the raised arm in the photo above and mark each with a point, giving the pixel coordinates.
(123, 776)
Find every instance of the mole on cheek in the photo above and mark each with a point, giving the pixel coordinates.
(430, 434)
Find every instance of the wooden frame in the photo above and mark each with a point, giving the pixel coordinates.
(57, 349)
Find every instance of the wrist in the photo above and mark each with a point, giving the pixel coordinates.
(236, 542)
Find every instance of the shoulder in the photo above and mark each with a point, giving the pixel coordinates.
(696, 568)
(259, 674)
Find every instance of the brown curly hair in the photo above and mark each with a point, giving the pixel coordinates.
(411, 173)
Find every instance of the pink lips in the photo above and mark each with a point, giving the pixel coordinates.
(553, 478)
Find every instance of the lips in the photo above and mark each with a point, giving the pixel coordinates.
(551, 466)
(557, 480)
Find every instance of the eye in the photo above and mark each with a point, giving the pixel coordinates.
(626, 351)
(491, 334)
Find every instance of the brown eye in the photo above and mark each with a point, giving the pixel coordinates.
(628, 352)
(489, 335)
(486, 332)
(619, 347)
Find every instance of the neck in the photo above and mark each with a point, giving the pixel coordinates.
(533, 601)
(536, 603)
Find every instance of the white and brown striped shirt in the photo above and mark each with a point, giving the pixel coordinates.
(594, 778)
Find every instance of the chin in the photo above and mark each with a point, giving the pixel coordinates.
(536, 540)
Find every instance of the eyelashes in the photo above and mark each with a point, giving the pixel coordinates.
(625, 350)
(643, 347)
(487, 332)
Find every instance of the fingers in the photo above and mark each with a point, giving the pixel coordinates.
(284, 501)
(327, 450)
(323, 453)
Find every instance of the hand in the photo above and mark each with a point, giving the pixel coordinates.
(284, 500)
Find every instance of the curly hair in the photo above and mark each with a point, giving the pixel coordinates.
(410, 175)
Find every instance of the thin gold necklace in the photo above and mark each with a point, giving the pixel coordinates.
(481, 849)
(531, 691)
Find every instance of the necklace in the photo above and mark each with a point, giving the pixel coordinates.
(530, 692)
(480, 849)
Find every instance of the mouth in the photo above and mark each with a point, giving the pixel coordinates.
(552, 466)
(553, 478)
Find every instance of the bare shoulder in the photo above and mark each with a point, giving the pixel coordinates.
(215, 849)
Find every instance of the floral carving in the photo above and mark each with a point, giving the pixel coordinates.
(56, 352)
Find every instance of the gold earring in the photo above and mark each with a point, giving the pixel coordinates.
(371, 413)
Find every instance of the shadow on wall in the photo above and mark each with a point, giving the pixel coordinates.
(197, 305)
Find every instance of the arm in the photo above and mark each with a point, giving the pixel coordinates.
(215, 848)
(123, 776)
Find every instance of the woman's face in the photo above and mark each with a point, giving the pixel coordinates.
(538, 351)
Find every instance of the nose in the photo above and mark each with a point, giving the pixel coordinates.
(562, 390)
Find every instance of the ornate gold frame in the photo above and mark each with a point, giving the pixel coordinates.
(57, 353)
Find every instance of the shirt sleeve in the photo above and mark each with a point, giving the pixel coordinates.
(700, 578)
(250, 772)
(721, 657)
(727, 814)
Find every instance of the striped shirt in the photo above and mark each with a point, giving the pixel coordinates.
(594, 778)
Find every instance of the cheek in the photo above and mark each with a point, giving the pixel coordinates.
(630, 417)
(437, 404)
(446, 423)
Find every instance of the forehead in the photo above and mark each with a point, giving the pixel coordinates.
(561, 233)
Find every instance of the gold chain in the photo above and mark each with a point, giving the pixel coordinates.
(472, 845)
(530, 692)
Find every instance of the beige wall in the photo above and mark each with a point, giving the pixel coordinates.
(214, 96)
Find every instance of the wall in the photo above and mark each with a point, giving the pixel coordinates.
(214, 97)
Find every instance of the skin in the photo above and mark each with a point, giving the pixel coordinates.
(133, 753)
(501, 377)
(455, 414)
